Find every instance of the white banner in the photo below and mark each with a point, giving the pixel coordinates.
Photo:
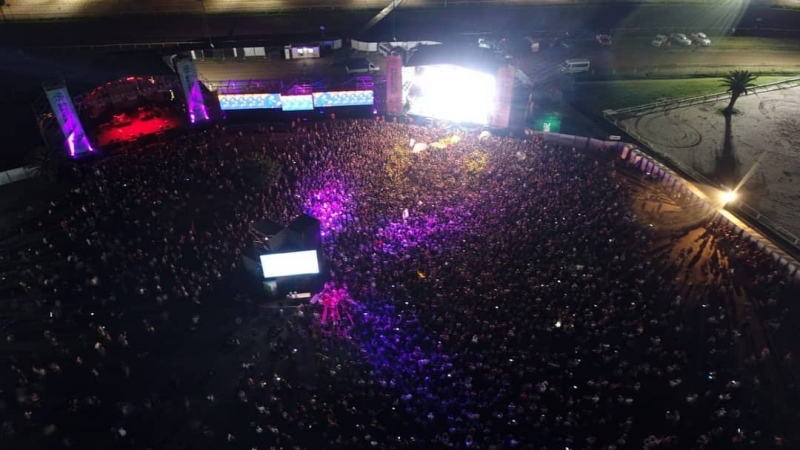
(61, 103)
(195, 103)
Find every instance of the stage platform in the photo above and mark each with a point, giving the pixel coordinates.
(129, 128)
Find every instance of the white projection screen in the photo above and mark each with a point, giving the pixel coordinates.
(278, 265)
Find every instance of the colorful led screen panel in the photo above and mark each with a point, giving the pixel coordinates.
(297, 102)
(233, 102)
(343, 98)
(278, 265)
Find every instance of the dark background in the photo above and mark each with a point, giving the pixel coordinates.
(87, 53)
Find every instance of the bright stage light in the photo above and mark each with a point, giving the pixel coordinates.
(452, 93)
(728, 197)
(278, 265)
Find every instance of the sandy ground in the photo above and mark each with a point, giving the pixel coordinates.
(767, 129)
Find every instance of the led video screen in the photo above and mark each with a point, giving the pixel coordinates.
(233, 102)
(278, 265)
(449, 92)
(297, 102)
(343, 98)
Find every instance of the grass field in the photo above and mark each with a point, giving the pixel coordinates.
(718, 43)
(600, 95)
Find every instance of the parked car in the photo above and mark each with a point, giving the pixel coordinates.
(573, 66)
(680, 39)
(360, 65)
(659, 41)
(604, 39)
(701, 39)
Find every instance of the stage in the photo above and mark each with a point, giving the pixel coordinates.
(133, 126)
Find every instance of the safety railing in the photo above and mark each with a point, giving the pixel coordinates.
(189, 44)
(751, 215)
(689, 101)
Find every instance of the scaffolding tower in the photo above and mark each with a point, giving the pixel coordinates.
(46, 122)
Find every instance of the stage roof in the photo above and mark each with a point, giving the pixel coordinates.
(470, 57)
(267, 227)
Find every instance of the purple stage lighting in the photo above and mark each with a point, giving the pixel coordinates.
(330, 206)
(195, 104)
(76, 140)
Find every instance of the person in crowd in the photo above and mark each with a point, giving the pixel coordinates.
(516, 302)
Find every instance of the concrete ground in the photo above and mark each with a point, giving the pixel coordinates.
(331, 67)
(764, 137)
(626, 58)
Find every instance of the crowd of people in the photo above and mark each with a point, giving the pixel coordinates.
(512, 302)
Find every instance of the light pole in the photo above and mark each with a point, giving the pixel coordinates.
(205, 23)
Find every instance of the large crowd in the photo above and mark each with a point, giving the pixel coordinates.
(501, 293)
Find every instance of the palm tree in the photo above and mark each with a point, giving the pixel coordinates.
(46, 162)
(738, 82)
(260, 170)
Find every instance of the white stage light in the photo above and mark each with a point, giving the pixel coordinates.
(278, 265)
(453, 93)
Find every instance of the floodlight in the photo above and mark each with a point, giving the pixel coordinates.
(728, 197)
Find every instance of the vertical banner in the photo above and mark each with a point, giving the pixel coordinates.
(504, 92)
(75, 139)
(195, 104)
(394, 85)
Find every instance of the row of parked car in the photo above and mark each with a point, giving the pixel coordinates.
(682, 40)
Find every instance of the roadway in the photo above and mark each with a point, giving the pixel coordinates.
(27, 10)
(622, 60)
(408, 23)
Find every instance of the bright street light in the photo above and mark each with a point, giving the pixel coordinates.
(728, 197)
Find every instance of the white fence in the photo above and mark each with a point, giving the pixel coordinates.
(750, 213)
(18, 174)
(676, 183)
(372, 47)
(689, 101)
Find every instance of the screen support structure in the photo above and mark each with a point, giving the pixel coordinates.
(74, 139)
(394, 85)
(192, 91)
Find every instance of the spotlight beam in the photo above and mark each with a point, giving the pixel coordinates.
(380, 16)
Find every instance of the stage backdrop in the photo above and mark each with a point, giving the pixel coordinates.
(394, 84)
(504, 93)
(75, 140)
